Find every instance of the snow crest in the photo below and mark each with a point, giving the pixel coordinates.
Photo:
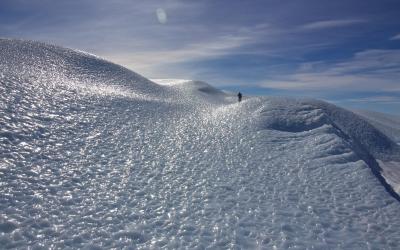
(372, 145)
(95, 156)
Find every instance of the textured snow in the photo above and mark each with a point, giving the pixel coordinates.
(390, 126)
(96, 156)
(170, 82)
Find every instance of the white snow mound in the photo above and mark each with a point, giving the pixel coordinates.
(95, 156)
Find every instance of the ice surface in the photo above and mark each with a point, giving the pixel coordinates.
(170, 82)
(95, 156)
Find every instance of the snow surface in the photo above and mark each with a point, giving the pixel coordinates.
(170, 82)
(96, 156)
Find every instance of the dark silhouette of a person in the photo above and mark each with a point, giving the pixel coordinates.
(240, 97)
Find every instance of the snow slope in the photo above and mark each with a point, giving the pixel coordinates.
(95, 156)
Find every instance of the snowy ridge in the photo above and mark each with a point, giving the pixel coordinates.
(370, 144)
(196, 90)
(170, 82)
(58, 67)
(96, 156)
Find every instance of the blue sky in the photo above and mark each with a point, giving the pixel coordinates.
(343, 51)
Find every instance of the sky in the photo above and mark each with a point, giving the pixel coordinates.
(344, 51)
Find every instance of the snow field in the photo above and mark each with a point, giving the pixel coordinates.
(181, 166)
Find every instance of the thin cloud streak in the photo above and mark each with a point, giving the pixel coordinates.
(327, 24)
(375, 99)
(396, 37)
(149, 62)
(371, 70)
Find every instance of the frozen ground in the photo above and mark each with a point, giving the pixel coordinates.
(95, 156)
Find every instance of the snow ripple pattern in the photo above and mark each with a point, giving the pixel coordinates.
(95, 156)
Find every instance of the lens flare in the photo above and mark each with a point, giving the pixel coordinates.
(161, 15)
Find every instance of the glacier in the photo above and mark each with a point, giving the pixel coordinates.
(95, 156)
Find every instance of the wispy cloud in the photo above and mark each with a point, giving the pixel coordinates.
(374, 99)
(327, 24)
(396, 37)
(370, 70)
(151, 62)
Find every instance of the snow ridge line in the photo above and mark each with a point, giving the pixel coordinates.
(366, 141)
(369, 160)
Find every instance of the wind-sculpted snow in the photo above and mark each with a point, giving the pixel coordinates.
(302, 115)
(376, 149)
(95, 156)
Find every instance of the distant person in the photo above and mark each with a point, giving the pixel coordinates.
(240, 97)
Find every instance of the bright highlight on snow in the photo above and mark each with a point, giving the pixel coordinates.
(95, 156)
